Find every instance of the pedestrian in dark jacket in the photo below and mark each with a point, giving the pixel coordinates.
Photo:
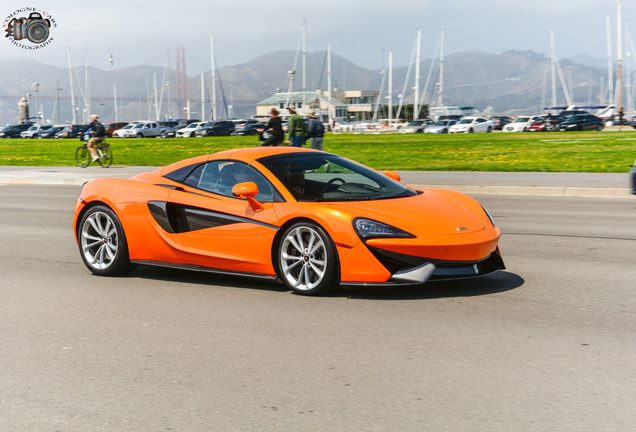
(274, 129)
(315, 131)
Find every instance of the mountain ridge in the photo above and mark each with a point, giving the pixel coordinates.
(513, 82)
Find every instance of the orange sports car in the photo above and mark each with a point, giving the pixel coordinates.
(311, 219)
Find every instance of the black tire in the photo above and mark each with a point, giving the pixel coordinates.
(106, 159)
(140, 135)
(102, 242)
(306, 259)
(82, 156)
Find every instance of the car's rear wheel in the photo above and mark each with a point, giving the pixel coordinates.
(103, 243)
(307, 259)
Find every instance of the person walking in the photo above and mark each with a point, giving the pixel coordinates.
(274, 128)
(315, 131)
(296, 128)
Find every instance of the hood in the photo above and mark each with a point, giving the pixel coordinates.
(435, 211)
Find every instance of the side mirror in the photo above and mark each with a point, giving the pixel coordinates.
(393, 175)
(248, 190)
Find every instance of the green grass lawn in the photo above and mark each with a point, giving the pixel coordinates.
(550, 152)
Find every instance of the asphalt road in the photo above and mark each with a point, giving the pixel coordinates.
(546, 345)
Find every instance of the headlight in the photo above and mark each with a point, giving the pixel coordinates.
(369, 228)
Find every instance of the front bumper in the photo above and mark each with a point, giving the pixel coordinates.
(411, 270)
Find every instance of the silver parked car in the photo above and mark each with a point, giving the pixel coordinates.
(440, 127)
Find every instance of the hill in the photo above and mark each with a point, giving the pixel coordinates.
(514, 82)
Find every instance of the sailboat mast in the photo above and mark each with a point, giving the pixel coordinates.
(304, 63)
(610, 71)
(390, 87)
(416, 102)
(619, 56)
(202, 96)
(440, 98)
(329, 83)
(213, 74)
(70, 76)
(553, 68)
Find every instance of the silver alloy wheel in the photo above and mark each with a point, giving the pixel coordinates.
(303, 258)
(99, 240)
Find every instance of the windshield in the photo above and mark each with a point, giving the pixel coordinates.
(442, 123)
(328, 177)
(416, 123)
(466, 121)
(522, 120)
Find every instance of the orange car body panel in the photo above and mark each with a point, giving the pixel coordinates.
(446, 225)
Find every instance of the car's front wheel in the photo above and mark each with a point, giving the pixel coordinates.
(103, 243)
(307, 261)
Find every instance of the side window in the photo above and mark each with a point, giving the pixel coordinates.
(220, 177)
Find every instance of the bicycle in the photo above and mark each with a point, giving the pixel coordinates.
(83, 156)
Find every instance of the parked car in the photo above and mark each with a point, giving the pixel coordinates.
(216, 128)
(119, 133)
(33, 130)
(440, 127)
(521, 124)
(249, 129)
(500, 121)
(48, 133)
(13, 131)
(542, 124)
(189, 130)
(70, 131)
(582, 122)
(143, 129)
(112, 127)
(416, 126)
(632, 121)
(240, 124)
(171, 133)
(471, 124)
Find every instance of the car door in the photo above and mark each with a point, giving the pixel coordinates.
(589, 123)
(218, 230)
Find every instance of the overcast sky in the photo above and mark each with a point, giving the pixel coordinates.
(363, 31)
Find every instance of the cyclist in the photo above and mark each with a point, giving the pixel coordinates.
(99, 133)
